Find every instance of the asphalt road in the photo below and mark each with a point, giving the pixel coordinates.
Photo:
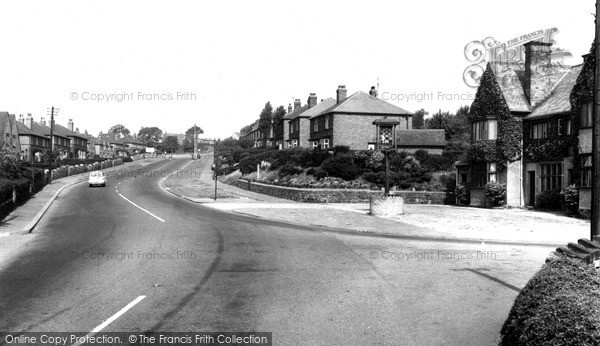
(99, 249)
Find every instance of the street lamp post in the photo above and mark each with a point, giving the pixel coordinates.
(386, 141)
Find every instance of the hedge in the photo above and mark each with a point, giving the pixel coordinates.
(560, 305)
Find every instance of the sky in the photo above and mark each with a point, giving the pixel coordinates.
(215, 64)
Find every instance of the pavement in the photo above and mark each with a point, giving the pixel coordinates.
(428, 222)
(24, 218)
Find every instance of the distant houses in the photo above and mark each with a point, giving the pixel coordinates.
(347, 121)
(32, 140)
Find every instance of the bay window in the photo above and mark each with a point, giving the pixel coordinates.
(484, 130)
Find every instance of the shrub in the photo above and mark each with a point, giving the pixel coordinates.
(570, 197)
(340, 149)
(127, 159)
(320, 174)
(289, 169)
(560, 305)
(341, 166)
(549, 199)
(495, 193)
(462, 195)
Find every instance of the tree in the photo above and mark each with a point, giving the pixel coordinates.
(11, 167)
(264, 121)
(278, 121)
(150, 135)
(120, 129)
(188, 141)
(418, 119)
(170, 144)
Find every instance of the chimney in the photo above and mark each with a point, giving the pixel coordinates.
(297, 104)
(70, 125)
(29, 121)
(341, 93)
(373, 92)
(312, 100)
(22, 118)
(290, 110)
(537, 71)
(43, 121)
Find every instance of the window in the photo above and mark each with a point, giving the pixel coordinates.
(491, 172)
(327, 122)
(586, 171)
(325, 143)
(294, 143)
(551, 176)
(315, 125)
(539, 130)
(315, 144)
(484, 130)
(569, 126)
(586, 114)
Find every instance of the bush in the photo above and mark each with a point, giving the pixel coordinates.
(570, 198)
(549, 200)
(462, 195)
(340, 149)
(341, 166)
(560, 305)
(127, 159)
(289, 169)
(495, 193)
(320, 174)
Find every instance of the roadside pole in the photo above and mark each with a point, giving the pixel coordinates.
(194, 156)
(595, 219)
(216, 167)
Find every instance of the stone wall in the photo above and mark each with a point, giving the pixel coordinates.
(342, 195)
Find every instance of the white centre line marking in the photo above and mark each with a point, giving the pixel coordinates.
(113, 317)
(158, 218)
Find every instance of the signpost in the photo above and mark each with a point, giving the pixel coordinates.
(386, 141)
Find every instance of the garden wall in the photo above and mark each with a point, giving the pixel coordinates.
(342, 195)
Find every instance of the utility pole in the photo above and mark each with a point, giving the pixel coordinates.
(595, 221)
(52, 111)
(194, 155)
(215, 163)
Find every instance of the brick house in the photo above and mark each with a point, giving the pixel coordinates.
(77, 141)
(9, 137)
(62, 143)
(133, 146)
(294, 125)
(349, 121)
(517, 111)
(34, 144)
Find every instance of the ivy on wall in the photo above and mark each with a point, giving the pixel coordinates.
(489, 102)
(583, 91)
(547, 149)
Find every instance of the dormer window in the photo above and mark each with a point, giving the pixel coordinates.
(484, 130)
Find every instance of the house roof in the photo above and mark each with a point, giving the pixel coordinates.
(362, 103)
(45, 130)
(293, 115)
(559, 99)
(3, 121)
(421, 138)
(510, 84)
(319, 108)
(63, 131)
(22, 129)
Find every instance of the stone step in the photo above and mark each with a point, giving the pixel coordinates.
(587, 258)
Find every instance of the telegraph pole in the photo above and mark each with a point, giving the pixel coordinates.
(52, 111)
(595, 221)
(215, 163)
(195, 143)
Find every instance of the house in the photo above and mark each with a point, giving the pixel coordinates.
(292, 128)
(518, 114)
(9, 136)
(582, 101)
(431, 140)
(133, 146)
(61, 143)
(77, 141)
(349, 121)
(113, 143)
(34, 144)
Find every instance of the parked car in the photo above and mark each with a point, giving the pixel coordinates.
(97, 178)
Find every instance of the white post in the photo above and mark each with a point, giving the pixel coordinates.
(258, 171)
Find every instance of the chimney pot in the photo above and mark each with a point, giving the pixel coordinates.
(537, 64)
(290, 108)
(43, 121)
(70, 124)
(297, 104)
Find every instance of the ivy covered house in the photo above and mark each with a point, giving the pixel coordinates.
(516, 113)
(582, 101)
